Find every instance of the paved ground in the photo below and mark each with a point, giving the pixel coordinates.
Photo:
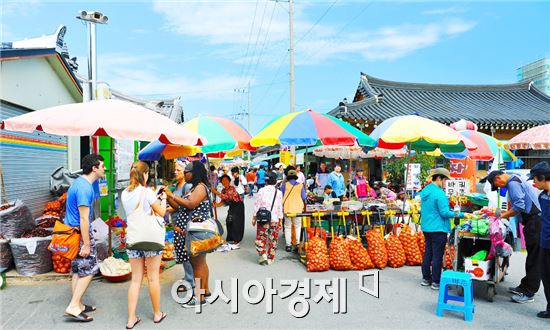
(403, 303)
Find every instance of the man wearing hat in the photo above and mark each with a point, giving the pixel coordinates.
(540, 174)
(525, 205)
(436, 224)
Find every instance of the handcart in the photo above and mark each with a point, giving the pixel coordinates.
(467, 244)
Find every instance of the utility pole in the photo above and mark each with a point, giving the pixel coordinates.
(291, 50)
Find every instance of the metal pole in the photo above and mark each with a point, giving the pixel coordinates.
(93, 57)
(249, 105)
(291, 51)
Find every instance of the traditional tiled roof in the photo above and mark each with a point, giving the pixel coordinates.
(519, 105)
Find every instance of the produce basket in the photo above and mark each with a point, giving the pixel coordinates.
(6, 258)
(117, 278)
(31, 255)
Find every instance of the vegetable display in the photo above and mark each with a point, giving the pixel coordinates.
(421, 240)
(449, 257)
(396, 253)
(317, 255)
(339, 254)
(114, 267)
(410, 244)
(377, 248)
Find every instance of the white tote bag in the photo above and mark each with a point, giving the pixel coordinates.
(144, 231)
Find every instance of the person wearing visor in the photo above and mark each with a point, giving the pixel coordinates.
(525, 205)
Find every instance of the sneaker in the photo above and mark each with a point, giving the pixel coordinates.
(262, 260)
(523, 298)
(295, 249)
(516, 290)
(425, 283)
(435, 286)
(193, 302)
(288, 248)
(270, 261)
(544, 314)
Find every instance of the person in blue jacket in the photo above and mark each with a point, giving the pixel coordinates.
(436, 224)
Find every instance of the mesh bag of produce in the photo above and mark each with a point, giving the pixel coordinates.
(410, 245)
(449, 257)
(61, 264)
(317, 255)
(15, 219)
(339, 254)
(377, 248)
(31, 255)
(396, 253)
(6, 258)
(421, 240)
(358, 254)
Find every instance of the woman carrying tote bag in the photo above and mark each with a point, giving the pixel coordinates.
(139, 202)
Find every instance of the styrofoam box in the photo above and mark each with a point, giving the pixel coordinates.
(478, 269)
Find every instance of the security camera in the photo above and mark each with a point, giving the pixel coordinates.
(93, 16)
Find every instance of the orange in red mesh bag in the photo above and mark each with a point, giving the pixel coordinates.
(396, 253)
(358, 254)
(317, 255)
(377, 248)
(421, 240)
(449, 256)
(412, 252)
(339, 254)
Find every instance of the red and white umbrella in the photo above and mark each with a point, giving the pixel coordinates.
(534, 138)
(115, 118)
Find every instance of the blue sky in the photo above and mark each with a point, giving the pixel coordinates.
(204, 50)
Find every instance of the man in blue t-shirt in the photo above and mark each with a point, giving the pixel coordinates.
(79, 210)
(260, 178)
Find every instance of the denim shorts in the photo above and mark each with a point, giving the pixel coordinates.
(137, 254)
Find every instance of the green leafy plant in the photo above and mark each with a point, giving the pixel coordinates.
(395, 167)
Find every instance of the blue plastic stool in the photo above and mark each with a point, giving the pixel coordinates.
(456, 278)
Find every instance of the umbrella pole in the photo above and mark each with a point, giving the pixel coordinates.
(406, 179)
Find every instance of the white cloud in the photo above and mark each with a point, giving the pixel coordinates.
(386, 43)
(138, 75)
(20, 8)
(444, 11)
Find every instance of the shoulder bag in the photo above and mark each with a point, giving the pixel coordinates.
(144, 231)
(203, 235)
(263, 216)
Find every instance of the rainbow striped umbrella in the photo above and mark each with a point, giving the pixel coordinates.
(487, 148)
(309, 128)
(225, 135)
(421, 134)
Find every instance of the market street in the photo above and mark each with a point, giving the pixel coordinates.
(403, 302)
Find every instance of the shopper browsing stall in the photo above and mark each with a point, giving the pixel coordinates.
(79, 208)
(524, 203)
(294, 198)
(267, 231)
(137, 195)
(436, 225)
(540, 174)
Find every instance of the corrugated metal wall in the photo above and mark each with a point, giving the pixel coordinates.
(27, 167)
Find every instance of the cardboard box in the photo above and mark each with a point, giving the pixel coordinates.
(478, 269)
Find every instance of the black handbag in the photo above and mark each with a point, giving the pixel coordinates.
(263, 216)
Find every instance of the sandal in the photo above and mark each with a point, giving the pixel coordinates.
(89, 309)
(135, 322)
(82, 317)
(164, 315)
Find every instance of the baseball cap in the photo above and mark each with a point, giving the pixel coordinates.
(491, 179)
(538, 169)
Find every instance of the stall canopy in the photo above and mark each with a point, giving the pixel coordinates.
(537, 138)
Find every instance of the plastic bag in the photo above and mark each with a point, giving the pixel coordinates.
(410, 245)
(339, 254)
(61, 179)
(377, 248)
(6, 257)
(317, 255)
(358, 254)
(15, 219)
(396, 253)
(498, 246)
(31, 255)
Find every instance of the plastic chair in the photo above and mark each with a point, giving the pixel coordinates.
(456, 278)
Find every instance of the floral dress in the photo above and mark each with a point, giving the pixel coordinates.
(181, 218)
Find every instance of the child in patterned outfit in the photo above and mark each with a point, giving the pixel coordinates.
(267, 235)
